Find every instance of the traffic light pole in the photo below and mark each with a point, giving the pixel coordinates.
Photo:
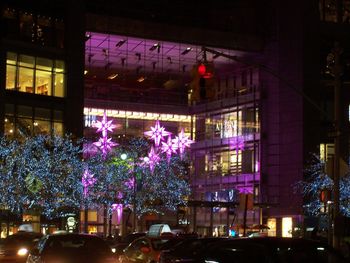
(337, 71)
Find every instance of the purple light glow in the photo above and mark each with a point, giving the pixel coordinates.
(119, 209)
(105, 143)
(182, 141)
(157, 133)
(169, 148)
(237, 143)
(245, 189)
(104, 126)
(153, 159)
(87, 180)
(130, 183)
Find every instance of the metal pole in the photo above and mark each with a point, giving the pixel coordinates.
(245, 215)
(135, 205)
(337, 84)
(86, 214)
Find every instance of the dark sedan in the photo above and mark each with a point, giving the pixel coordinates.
(15, 248)
(187, 250)
(269, 250)
(71, 248)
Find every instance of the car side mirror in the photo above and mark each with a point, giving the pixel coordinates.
(145, 250)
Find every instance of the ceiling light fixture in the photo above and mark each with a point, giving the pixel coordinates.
(154, 47)
(87, 37)
(141, 79)
(186, 51)
(113, 76)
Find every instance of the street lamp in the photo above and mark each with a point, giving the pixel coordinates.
(124, 157)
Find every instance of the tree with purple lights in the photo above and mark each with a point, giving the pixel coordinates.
(160, 187)
(318, 186)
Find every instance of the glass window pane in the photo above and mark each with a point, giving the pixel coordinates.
(24, 111)
(58, 128)
(10, 77)
(9, 126)
(11, 58)
(41, 113)
(42, 127)
(9, 109)
(26, 61)
(24, 127)
(25, 80)
(58, 115)
(43, 82)
(59, 66)
(59, 85)
(44, 64)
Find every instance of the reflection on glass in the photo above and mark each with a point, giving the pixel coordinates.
(58, 128)
(9, 126)
(41, 127)
(24, 127)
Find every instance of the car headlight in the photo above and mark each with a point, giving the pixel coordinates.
(114, 250)
(22, 251)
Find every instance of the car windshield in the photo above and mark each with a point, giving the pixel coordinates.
(20, 239)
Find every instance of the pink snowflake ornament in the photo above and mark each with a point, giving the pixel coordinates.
(157, 133)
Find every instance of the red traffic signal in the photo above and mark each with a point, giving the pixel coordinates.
(205, 71)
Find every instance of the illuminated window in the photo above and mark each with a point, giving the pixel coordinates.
(287, 226)
(35, 75)
(271, 223)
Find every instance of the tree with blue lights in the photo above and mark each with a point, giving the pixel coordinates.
(318, 183)
(157, 190)
(41, 173)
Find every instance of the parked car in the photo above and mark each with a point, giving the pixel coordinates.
(15, 248)
(187, 250)
(145, 249)
(118, 246)
(71, 248)
(269, 250)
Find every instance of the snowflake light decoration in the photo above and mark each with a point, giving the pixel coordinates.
(182, 141)
(104, 126)
(105, 144)
(153, 159)
(169, 148)
(87, 180)
(157, 133)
